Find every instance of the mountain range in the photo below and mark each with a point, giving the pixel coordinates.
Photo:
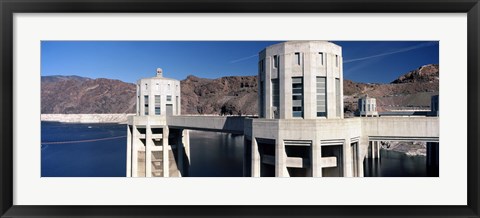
(233, 95)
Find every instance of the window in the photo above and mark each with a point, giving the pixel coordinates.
(157, 104)
(261, 66)
(146, 86)
(297, 60)
(169, 98)
(275, 61)
(320, 58)
(321, 96)
(297, 96)
(262, 96)
(177, 104)
(146, 104)
(157, 86)
(169, 86)
(336, 60)
(275, 98)
(337, 95)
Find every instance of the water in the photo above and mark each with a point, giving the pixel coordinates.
(397, 164)
(215, 154)
(212, 154)
(89, 159)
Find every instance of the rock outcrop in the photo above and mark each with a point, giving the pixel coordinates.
(427, 73)
(79, 95)
(234, 95)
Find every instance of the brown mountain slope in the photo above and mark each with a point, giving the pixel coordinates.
(427, 73)
(227, 95)
(412, 90)
(75, 95)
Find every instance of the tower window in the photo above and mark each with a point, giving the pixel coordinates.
(337, 96)
(146, 86)
(321, 96)
(275, 61)
(262, 96)
(157, 104)
(261, 65)
(297, 59)
(320, 58)
(169, 98)
(146, 104)
(297, 96)
(336, 60)
(177, 104)
(275, 98)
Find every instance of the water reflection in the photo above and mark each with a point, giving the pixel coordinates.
(215, 154)
(397, 164)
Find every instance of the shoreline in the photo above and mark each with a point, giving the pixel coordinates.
(409, 148)
(86, 118)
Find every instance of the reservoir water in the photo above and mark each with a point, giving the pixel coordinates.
(73, 150)
(397, 164)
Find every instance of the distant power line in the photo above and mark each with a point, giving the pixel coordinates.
(244, 58)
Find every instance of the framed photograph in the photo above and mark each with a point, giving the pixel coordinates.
(160, 108)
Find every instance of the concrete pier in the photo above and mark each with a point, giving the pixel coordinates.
(374, 149)
(129, 152)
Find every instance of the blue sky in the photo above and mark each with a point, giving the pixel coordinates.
(364, 61)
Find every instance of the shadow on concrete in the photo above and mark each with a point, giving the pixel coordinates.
(183, 162)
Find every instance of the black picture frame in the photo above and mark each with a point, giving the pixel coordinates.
(9, 7)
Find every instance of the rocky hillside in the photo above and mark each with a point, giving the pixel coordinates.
(80, 95)
(233, 95)
(412, 90)
(227, 95)
(424, 74)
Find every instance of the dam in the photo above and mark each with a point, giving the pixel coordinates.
(300, 130)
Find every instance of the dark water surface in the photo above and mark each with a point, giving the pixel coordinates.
(397, 164)
(106, 158)
(212, 154)
(215, 154)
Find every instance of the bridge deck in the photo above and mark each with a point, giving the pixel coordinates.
(376, 128)
(208, 123)
(401, 128)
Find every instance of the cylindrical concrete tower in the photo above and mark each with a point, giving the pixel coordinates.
(158, 96)
(367, 107)
(149, 150)
(301, 79)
